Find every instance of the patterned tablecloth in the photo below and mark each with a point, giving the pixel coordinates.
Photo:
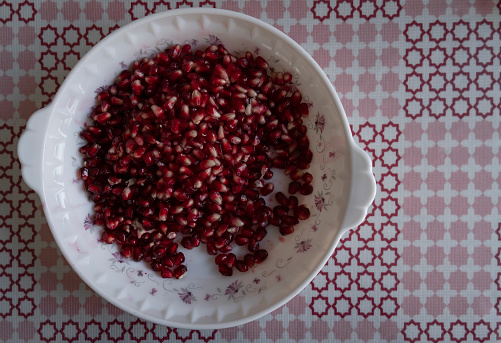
(420, 82)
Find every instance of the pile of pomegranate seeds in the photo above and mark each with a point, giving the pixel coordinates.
(180, 150)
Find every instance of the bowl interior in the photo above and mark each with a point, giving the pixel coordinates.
(203, 299)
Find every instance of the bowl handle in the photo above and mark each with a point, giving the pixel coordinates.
(362, 190)
(31, 149)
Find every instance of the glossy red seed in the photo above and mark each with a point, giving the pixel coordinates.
(292, 202)
(250, 260)
(306, 189)
(267, 189)
(290, 220)
(241, 266)
(231, 259)
(260, 256)
(281, 198)
(178, 258)
(294, 187)
(211, 248)
(221, 259)
(179, 272)
(286, 230)
(108, 238)
(307, 177)
(302, 212)
(167, 273)
(253, 244)
(225, 270)
(241, 240)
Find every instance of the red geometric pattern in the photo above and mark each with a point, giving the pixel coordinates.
(437, 83)
(422, 94)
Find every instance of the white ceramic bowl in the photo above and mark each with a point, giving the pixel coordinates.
(343, 184)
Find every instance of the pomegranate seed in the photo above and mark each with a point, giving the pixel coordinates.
(260, 234)
(221, 259)
(126, 251)
(235, 221)
(178, 258)
(231, 259)
(171, 249)
(167, 273)
(261, 63)
(253, 244)
(108, 238)
(307, 177)
(302, 212)
(225, 270)
(241, 266)
(290, 220)
(306, 189)
(286, 230)
(137, 88)
(281, 198)
(294, 187)
(260, 256)
(292, 203)
(250, 260)
(267, 189)
(211, 248)
(296, 174)
(241, 240)
(179, 272)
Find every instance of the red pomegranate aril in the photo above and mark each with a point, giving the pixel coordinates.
(166, 273)
(302, 212)
(290, 220)
(126, 251)
(225, 270)
(267, 189)
(253, 244)
(220, 242)
(221, 259)
(156, 266)
(292, 203)
(179, 272)
(281, 198)
(241, 240)
(260, 234)
(250, 260)
(187, 243)
(235, 221)
(211, 248)
(294, 187)
(260, 256)
(171, 249)
(241, 266)
(306, 189)
(286, 230)
(276, 221)
(296, 174)
(225, 249)
(108, 238)
(178, 258)
(137, 254)
(307, 177)
(231, 259)
(280, 211)
(158, 252)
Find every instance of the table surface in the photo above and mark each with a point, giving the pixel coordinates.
(420, 82)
